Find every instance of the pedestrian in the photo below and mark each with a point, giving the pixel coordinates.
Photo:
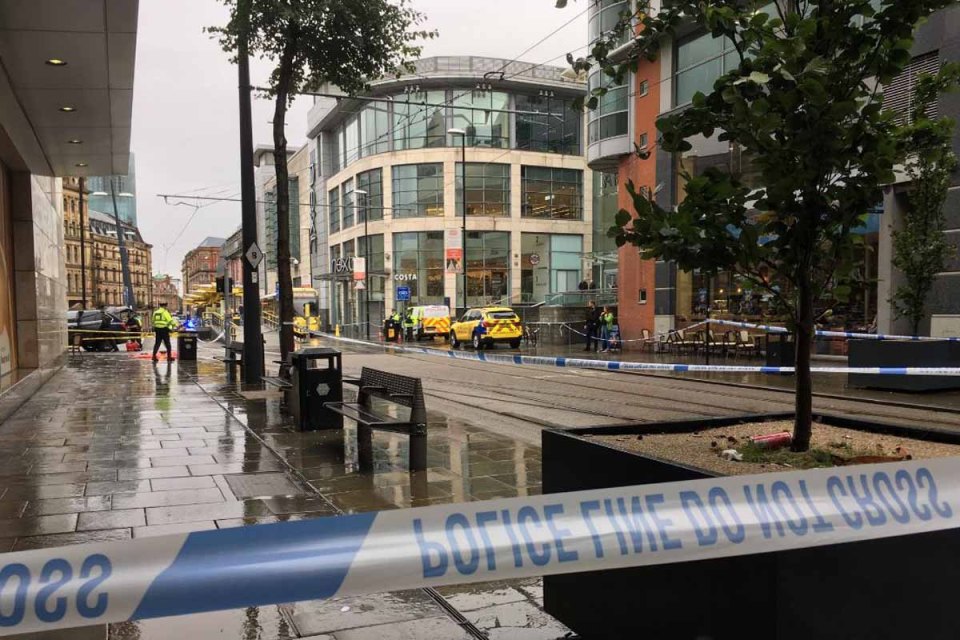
(162, 324)
(583, 285)
(606, 328)
(592, 326)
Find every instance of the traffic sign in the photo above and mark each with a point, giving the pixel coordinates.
(254, 256)
(403, 294)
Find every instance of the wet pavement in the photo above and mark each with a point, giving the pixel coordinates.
(177, 448)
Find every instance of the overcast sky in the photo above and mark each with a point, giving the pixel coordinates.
(185, 101)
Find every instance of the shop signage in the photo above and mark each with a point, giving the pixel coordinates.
(404, 277)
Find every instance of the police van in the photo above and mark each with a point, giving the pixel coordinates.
(430, 321)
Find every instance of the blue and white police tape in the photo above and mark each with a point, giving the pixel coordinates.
(475, 542)
(821, 333)
(621, 365)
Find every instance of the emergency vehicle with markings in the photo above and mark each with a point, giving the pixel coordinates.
(486, 326)
(431, 321)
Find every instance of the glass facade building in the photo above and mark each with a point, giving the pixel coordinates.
(525, 177)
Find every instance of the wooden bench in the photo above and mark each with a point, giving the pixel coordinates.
(381, 387)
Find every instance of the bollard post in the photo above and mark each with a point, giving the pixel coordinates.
(336, 330)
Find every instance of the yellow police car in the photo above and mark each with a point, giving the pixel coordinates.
(486, 326)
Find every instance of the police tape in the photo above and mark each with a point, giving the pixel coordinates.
(826, 334)
(474, 542)
(622, 365)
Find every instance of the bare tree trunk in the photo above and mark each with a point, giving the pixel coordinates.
(284, 277)
(803, 417)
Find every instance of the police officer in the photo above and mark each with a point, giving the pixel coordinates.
(163, 322)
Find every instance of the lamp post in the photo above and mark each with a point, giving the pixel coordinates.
(366, 259)
(463, 201)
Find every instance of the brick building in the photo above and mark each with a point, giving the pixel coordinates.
(200, 264)
(104, 273)
(166, 288)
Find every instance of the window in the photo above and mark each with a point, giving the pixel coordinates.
(551, 263)
(610, 118)
(486, 124)
(371, 204)
(552, 193)
(898, 95)
(644, 88)
(545, 123)
(349, 210)
(350, 143)
(420, 254)
(605, 17)
(642, 141)
(375, 263)
(333, 200)
(700, 61)
(374, 129)
(416, 126)
(488, 189)
(488, 268)
(418, 190)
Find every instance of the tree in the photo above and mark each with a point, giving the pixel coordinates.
(920, 249)
(313, 43)
(804, 105)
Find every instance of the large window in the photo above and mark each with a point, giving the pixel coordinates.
(349, 208)
(333, 200)
(488, 268)
(487, 124)
(605, 16)
(370, 206)
(418, 190)
(552, 193)
(416, 125)
(375, 263)
(374, 129)
(351, 141)
(488, 189)
(551, 263)
(418, 257)
(611, 117)
(700, 61)
(547, 124)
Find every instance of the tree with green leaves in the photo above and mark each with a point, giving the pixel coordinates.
(803, 102)
(315, 43)
(920, 249)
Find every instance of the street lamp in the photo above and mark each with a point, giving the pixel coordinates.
(463, 201)
(366, 258)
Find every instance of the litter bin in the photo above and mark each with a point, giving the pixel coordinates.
(187, 345)
(391, 331)
(781, 350)
(317, 377)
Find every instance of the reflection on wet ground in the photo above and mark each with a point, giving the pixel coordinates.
(114, 448)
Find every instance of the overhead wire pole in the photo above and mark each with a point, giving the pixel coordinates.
(128, 297)
(252, 336)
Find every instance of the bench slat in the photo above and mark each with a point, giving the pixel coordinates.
(361, 414)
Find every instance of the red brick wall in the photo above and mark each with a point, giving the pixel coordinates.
(636, 274)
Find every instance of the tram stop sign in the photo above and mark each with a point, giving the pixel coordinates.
(403, 294)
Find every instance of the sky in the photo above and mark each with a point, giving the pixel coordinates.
(185, 133)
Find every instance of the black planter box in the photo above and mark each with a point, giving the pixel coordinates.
(893, 588)
(904, 353)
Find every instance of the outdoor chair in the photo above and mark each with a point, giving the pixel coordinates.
(646, 341)
(745, 344)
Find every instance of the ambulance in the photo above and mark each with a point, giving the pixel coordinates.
(431, 321)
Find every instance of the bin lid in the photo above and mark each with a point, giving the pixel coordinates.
(308, 352)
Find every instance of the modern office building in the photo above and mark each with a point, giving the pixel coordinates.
(298, 169)
(125, 186)
(389, 189)
(656, 295)
(65, 108)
